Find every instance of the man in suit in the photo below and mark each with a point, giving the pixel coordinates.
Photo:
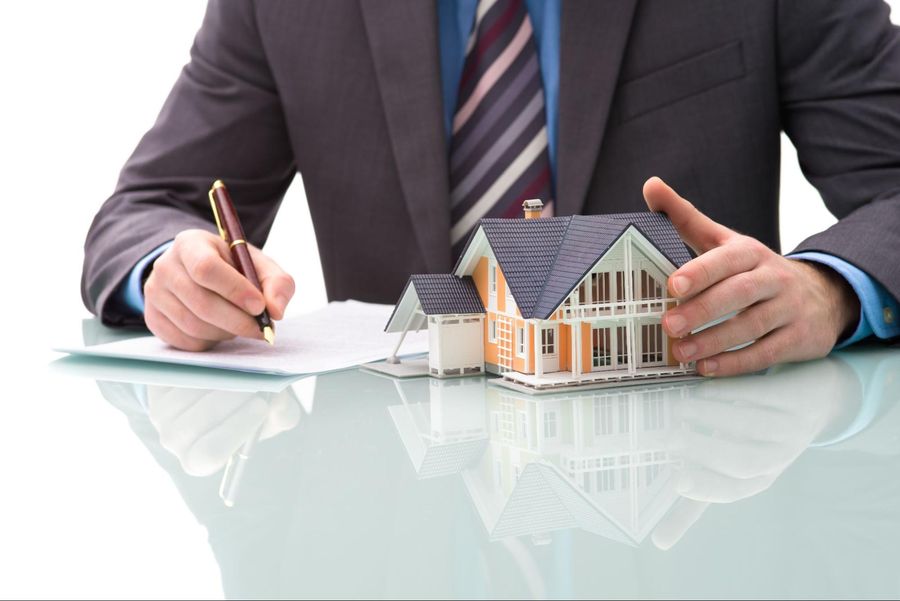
(411, 120)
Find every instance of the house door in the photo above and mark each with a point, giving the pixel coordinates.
(550, 348)
(609, 348)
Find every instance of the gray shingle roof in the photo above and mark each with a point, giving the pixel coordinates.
(525, 249)
(544, 259)
(444, 293)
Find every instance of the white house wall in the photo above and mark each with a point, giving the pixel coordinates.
(456, 345)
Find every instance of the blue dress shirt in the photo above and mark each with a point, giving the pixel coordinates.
(879, 311)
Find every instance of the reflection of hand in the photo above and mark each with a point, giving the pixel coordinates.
(790, 310)
(203, 428)
(738, 436)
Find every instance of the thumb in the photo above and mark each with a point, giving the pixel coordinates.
(278, 286)
(676, 523)
(696, 229)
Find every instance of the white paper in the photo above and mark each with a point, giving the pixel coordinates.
(342, 335)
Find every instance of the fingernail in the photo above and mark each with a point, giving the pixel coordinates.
(680, 285)
(710, 366)
(687, 350)
(281, 301)
(676, 324)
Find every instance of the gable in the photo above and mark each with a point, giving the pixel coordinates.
(544, 259)
(563, 281)
(524, 250)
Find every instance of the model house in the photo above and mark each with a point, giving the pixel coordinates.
(600, 461)
(552, 302)
(441, 423)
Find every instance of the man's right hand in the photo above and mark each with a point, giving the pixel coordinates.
(194, 297)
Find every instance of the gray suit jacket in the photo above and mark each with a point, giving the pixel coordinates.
(348, 93)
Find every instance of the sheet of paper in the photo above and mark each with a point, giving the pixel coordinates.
(342, 335)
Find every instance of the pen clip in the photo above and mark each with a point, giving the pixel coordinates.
(212, 203)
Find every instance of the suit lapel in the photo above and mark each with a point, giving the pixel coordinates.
(593, 34)
(403, 37)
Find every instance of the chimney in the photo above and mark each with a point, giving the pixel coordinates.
(533, 208)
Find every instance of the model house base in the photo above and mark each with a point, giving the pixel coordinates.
(552, 303)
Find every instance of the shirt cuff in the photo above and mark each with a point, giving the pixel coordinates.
(131, 294)
(879, 311)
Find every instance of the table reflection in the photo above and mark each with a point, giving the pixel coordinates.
(353, 484)
(631, 462)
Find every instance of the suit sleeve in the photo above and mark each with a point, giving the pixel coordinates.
(222, 119)
(840, 104)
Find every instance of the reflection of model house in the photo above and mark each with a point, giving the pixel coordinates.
(442, 423)
(552, 302)
(595, 461)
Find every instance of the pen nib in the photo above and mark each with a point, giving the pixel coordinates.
(269, 335)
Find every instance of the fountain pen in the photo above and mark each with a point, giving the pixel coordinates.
(233, 234)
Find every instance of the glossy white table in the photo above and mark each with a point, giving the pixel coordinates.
(352, 484)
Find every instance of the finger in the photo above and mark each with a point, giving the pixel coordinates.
(206, 266)
(677, 522)
(695, 228)
(775, 347)
(186, 321)
(740, 255)
(210, 307)
(743, 422)
(167, 403)
(734, 457)
(211, 451)
(278, 287)
(166, 331)
(747, 326)
(706, 486)
(198, 413)
(284, 414)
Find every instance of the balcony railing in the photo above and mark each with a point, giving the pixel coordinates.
(615, 308)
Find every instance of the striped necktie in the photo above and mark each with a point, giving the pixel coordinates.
(498, 153)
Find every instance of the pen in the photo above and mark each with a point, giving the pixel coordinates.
(233, 234)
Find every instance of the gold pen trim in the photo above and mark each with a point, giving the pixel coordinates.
(212, 203)
(236, 242)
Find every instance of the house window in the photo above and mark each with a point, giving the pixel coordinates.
(651, 344)
(624, 417)
(649, 288)
(601, 351)
(625, 471)
(548, 341)
(603, 417)
(621, 346)
(620, 286)
(492, 276)
(550, 424)
(600, 287)
(520, 341)
(523, 426)
(606, 480)
(654, 417)
(582, 293)
(492, 330)
(510, 301)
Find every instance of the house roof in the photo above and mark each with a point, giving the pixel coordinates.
(438, 294)
(444, 293)
(544, 259)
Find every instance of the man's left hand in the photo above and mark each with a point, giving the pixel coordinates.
(790, 310)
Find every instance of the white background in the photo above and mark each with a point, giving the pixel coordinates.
(81, 82)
